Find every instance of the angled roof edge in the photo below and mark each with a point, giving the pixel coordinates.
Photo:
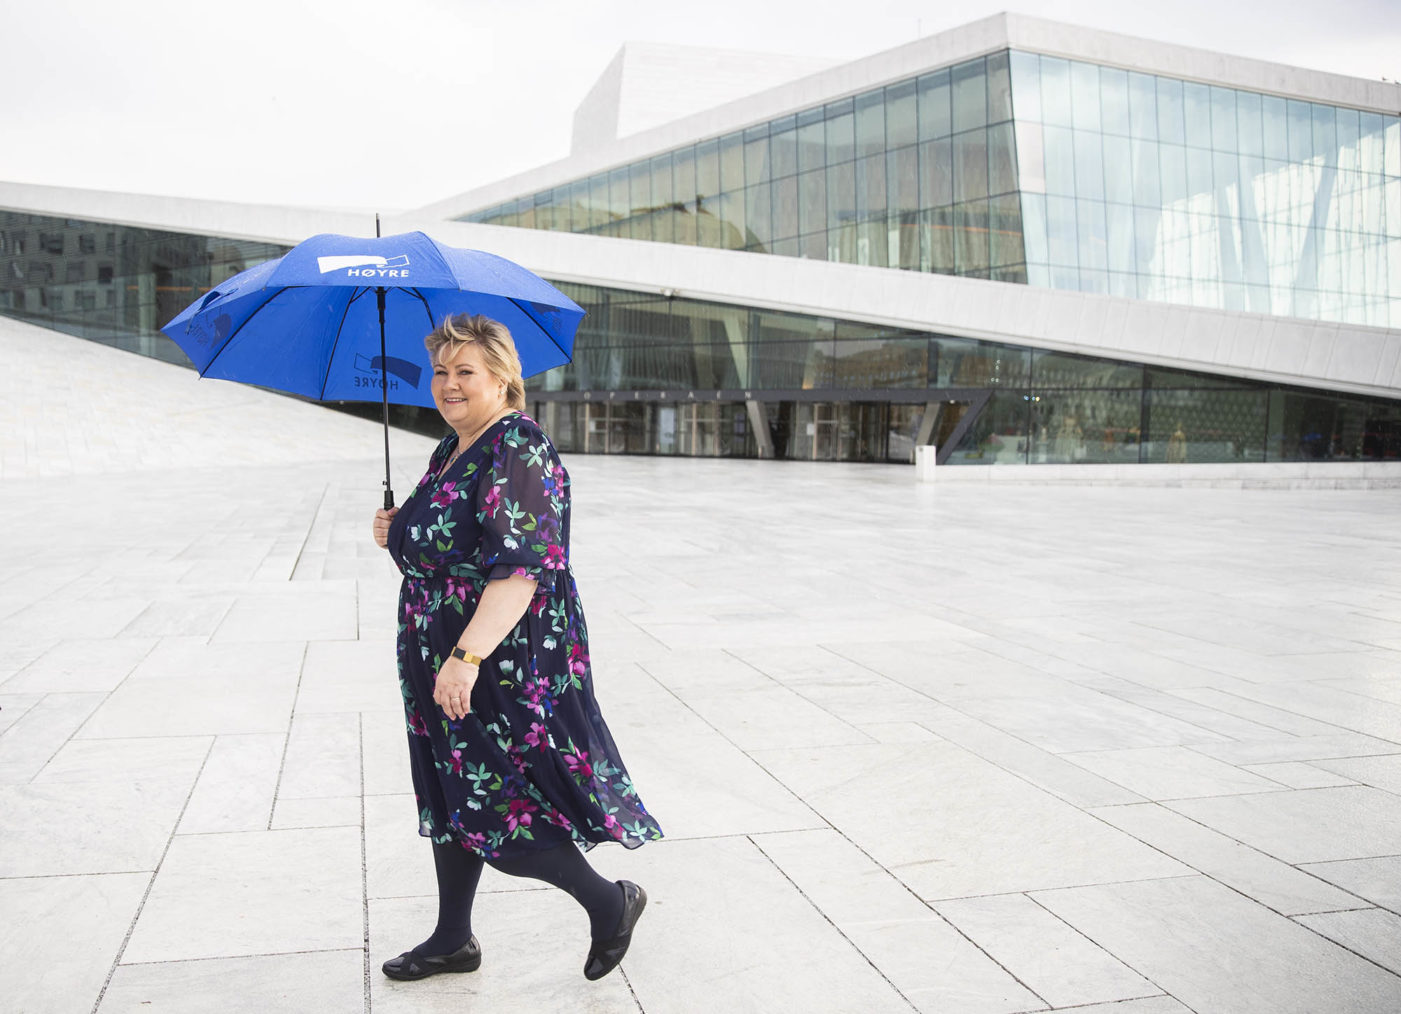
(1000, 31)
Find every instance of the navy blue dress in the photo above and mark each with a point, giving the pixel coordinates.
(533, 765)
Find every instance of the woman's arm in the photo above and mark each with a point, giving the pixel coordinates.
(501, 607)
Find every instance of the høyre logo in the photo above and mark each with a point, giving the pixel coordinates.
(366, 265)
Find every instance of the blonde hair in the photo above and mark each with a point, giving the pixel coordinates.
(498, 350)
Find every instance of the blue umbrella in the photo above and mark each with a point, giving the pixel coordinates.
(341, 318)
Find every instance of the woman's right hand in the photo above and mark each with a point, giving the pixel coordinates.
(380, 526)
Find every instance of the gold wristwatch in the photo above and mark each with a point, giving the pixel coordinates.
(465, 656)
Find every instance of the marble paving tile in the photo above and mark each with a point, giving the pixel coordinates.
(311, 981)
(1220, 953)
(970, 828)
(1383, 772)
(153, 706)
(189, 615)
(76, 666)
(533, 952)
(1305, 825)
(235, 789)
(1296, 748)
(398, 860)
(332, 811)
(913, 947)
(1272, 883)
(322, 757)
(60, 827)
(48, 916)
(1372, 933)
(164, 760)
(292, 611)
(384, 754)
(771, 717)
(1045, 954)
(1366, 715)
(1375, 880)
(1170, 772)
(275, 892)
(1298, 775)
(102, 618)
(1169, 703)
(194, 658)
(1147, 1005)
(340, 676)
(38, 734)
(14, 706)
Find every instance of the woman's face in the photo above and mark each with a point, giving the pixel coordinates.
(466, 393)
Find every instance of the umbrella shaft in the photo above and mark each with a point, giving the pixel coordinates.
(384, 392)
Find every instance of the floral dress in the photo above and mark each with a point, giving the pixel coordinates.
(533, 765)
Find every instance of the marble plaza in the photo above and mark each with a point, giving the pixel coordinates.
(972, 748)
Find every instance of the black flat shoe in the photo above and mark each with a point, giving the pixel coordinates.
(605, 955)
(413, 965)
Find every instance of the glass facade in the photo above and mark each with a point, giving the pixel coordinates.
(1026, 168)
(657, 375)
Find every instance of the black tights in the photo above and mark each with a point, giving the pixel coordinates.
(563, 866)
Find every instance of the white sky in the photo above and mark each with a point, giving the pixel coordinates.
(396, 103)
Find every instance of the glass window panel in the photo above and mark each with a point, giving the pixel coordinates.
(1325, 134)
(708, 168)
(841, 195)
(971, 240)
(872, 243)
(1114, 101)
(905, 240)
(1249, 124)
(784, 147)
(937, 246)
(1089, 165)
(1348, 134)
(1034, 228)
(1002, 166)
(1062, 243)
(1391, 164)
(1205, 425)
(1170, 128)
(881, 363)
(813, 246)
(1031, 157)
(1060, 160)
(1146, 222)
(790, 366)
(1087, 426)
(1223, 119)
(758, 218)
(901, 121)
(999, 88)
(1055, 91)
(1276, 127)
(1026, 86)
(970, 165)
(998, 435)
(598, 201)
(1223, 176)
(640, 199)
(902, 175)
(1196, 109)
(1118, 169)
(581, 203)
(785, 207)
(1300, 130)
(733, 231)
(934, 105)
(1062, 370)
(1370, 145)
(732, 162)
(812, 140)
(1005, 231)
(970, 95)
(684, 176)
(841, 134)
(1084, 95)
(936, 173)
(1118, 230)
(870, 187)
(757, 168)
(1198, 171)
(1090, 230)
(812, 201)
(1143, 106)
(661, 179)
(1173, 159)
(870, 123)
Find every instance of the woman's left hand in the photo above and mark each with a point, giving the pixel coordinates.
(453, 689)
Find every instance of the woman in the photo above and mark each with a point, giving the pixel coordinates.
(516, 769)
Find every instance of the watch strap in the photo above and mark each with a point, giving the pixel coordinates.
(465, 656)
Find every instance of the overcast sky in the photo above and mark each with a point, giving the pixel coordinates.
(396, 103)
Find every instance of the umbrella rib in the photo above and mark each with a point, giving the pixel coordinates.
(340, 329)
(229, 340)
(516, 303)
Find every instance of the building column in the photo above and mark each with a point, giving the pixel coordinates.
(759, 421)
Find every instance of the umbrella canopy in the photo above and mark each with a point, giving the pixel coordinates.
(308, 322)
(343, 318)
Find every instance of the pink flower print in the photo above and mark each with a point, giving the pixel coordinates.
(417, 725)
(457, 762)
(538, 736)
(558, 819)
(554, 557)
(445, 494)
(611, 825)
(493, 500)
(579, 765)
(578, 659)
(518, 813)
